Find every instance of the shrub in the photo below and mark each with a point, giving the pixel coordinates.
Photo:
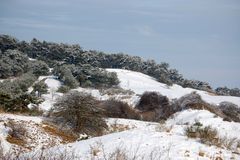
(17, 86)
(152, 100)
(154, 106)
(207, 135)
(231, 111)
(117, 109)
(17, 133)
(194, 101)
(16, 104)
(64, 73)
(63, 89)
(79, 111)
(13, 63)
(40, 88)
(39, 68)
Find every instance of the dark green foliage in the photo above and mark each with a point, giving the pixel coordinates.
(64, 73)
(39, 68)
(25, 81)
(86, 75)
(79, 111)
(13, 63)
(54, 54)
(7, 42)
(227, 91)
(13, 96)
(63, 89)
(40, 88)
(197, 85)
(17, 86)
(16, 104)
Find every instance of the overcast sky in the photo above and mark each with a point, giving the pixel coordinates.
(200, 38)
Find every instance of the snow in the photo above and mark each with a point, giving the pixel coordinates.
(32, 59)
(142, 141)
(4, 130)
(206, 118)
(49, 98)
(161, 140)
(139, 83)
(5, 116)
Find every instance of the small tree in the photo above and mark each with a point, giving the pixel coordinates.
(80, 112)
(40, 88)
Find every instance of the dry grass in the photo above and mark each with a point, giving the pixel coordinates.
(209, 136)
(17, 135)
(162, 127)
(116, 91)
(16, 141)
(201, 153)
(53, 130)
(115, 127)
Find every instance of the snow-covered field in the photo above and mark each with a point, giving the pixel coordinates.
(153, 140)
(145, 140)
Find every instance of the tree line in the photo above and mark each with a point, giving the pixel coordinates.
(87, 66)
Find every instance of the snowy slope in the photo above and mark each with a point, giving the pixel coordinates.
(140, 83)
(146, 141)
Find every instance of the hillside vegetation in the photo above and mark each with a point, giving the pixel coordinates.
(85, 66)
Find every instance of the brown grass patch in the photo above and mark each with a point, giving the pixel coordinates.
(66, 137)
(16, 141)
(18, 133)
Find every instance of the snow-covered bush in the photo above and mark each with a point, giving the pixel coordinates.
(117, 109)
(151, 101)
(79, 111)
(153, 106)
(195, 101)
(231, 111)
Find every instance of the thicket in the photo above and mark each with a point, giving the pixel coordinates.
(154, 107)
(54, 54)
(13, 96)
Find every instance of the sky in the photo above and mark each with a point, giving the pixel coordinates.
(200, 38)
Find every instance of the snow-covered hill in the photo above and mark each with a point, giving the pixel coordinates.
(144, 140)
(140, 83)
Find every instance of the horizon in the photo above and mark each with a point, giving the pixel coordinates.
(181, 34)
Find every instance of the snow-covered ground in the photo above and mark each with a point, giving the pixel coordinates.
(140, 83)
(145, 140)
(153, 140)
